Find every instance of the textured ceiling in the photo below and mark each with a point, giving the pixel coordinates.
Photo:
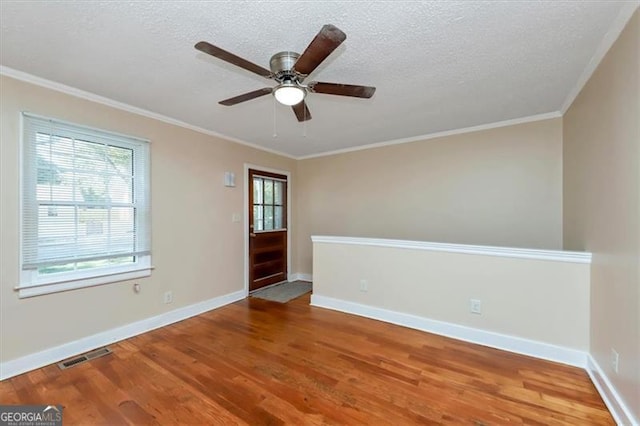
(437, 66)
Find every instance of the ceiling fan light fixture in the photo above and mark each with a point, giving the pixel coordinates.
(289, 93)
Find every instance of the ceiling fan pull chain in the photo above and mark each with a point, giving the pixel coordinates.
(304, 124)
(275, 129)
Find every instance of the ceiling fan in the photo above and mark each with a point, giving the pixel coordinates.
(290, 69)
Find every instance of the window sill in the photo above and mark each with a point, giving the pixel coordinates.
(37, 289)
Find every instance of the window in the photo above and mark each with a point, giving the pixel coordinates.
(268, 203)
(85, 207)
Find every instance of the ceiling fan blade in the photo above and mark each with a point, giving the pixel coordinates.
(246, 96)
(325, 42)
(301, 111)
(212, 50)
(342, 89)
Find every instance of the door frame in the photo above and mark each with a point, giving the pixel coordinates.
(245, 222)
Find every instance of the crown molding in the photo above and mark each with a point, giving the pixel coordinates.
(609, 38)
(487, 126)
(72, 91)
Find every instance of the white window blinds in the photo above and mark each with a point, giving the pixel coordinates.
(85, 198)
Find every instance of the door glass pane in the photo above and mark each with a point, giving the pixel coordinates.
(277, 192)
(258, 223)
(257, 191)
(278, 218)
(268, 191)
(268, 217)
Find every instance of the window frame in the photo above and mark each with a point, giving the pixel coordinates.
(32, 283)
(285, 219)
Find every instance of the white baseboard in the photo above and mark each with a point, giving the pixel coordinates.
(300, 277)
(619, 410)
(487, 338)
(48, 356)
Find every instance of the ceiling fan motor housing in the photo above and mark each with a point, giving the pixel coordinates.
(282, 64)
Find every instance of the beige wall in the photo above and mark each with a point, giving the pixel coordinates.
(196, 249)
(602, 205)
(495, 187)
(545, 301)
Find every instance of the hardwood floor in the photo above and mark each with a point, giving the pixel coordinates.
(264, 363)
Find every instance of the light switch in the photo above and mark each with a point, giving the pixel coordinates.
(236, 217)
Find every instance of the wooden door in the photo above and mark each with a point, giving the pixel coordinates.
(267, 229)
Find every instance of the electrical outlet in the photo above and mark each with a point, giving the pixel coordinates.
(615, 359)
(364, 285)
(475, 306)
(168, 297)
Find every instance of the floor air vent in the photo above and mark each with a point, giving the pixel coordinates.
(84, 358)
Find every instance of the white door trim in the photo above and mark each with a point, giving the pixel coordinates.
(286, 173)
